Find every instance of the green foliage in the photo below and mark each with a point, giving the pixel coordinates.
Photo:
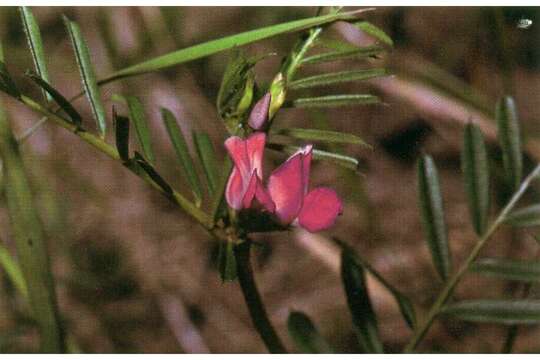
(475, 168)
(64, 104)
(305, 335)
(30, 242)
(507, 312)
(13, 270)
(334, 158)
(153, 174)
(525, 217)
(182, 152)
(374, 32)
(227, 261)
(138, 117)
(35, 44)
(229, 42)
(517, 270)
(322, 135)
(7, 84)
(207, 157)
(431, 206)
(510, 140)
(363, 316)
(335, 101)
(87, 74)
(342, 54)
(336, 78)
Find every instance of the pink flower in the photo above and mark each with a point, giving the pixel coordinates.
(314, 210)
(287, 192)
(245, 182)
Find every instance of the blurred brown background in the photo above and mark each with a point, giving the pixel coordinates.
(135, 275)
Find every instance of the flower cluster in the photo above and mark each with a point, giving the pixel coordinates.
(286, 193)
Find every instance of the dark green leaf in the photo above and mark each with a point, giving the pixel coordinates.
(338, 159)
(229, 42)
(30, 242)
(510, 140)
(405, 305)
(153, 174)
(6, 82)
(374, 32)
(87, 74)
(227, 261)
(64, 104)
(364, 319)
(138, 117)
(336, 78)
(207, 156)
(474, 164)
(507, 312)
(431, 206)
(335, 101)
(518, 270)
(305, 335)
(121, 124)
(182, 151)
(344, 54)
(525, 217)
(322, 135)
(35, 44)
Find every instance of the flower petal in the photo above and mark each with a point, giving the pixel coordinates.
(286, 188)
(254, 150)
(236, 147)
(234, 193)
(306, 165)
(263, 197)
(259, 114)
(320, 209)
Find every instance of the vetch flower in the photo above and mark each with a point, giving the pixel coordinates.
(245, 182)
(314, 210)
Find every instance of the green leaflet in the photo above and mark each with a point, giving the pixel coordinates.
(510, 140)
(525, 217)
(13, 271)
(322, 135)
(305, 335)
(342, 54)
(336, 78)
(431, 206)
(207, 156)
(375, 32)
(87, 74)
(363, 316)
(182, 151)
(517, 270)
(35, 44)
(335, 101)
(475, 168)
(138, 117)
(338, 159)
(405, 306)
(226, 43)
(507, 312)
(153, 174)
(64, 104)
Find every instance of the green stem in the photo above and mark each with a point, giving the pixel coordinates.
(451, 283)
(111, 151)
(253, 300)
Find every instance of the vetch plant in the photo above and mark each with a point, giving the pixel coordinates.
(234, 199)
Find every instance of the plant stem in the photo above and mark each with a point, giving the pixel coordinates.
(451, 283)
(253, 300)
(111, 151)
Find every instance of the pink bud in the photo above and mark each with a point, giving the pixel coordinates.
(259, 114)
